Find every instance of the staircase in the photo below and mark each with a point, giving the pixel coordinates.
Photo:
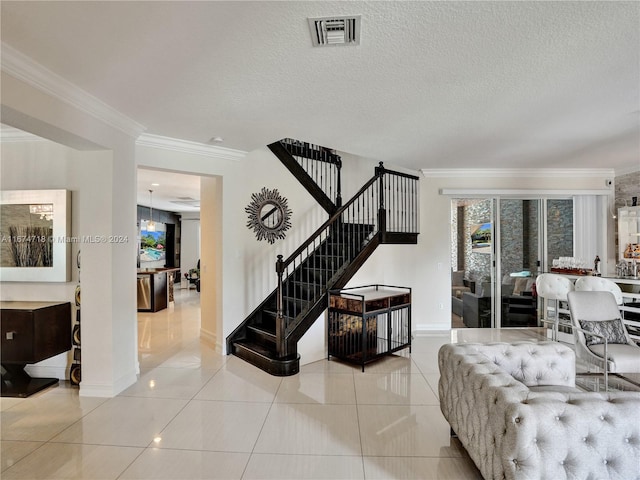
(383, 211)
(317, 169)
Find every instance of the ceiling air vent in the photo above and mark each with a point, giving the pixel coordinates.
(331, 31)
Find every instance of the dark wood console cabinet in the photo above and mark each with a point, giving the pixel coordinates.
(31, 332)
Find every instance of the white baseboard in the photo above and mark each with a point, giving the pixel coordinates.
(106, 389)
(425, 333)
(312, 356)
(210, 338)
(428, 327)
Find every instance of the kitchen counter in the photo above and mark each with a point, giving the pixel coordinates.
(155, 290)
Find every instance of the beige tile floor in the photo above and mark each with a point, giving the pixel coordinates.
(195, 414)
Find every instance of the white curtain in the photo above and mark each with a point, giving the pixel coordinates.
(590, 229)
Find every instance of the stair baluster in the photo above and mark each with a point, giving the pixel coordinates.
(328, 259)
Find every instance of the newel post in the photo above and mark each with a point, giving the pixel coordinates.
(280, 330)
(382, 212)
(339, 186)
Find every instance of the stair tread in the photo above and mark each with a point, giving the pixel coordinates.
(259, 349)
(275, 313)
(267, 359)
(265, 329)
(303, 282)
(295, 299)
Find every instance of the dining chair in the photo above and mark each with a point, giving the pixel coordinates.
(599, 284)
(601, 339)
(553, 287)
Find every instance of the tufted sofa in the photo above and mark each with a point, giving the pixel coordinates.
(516, 410)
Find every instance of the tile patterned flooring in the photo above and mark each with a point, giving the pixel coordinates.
(195, 414)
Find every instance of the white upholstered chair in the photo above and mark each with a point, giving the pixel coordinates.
(553, 287)
(599, 284)
(601, 338)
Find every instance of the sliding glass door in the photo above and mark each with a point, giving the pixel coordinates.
(500, 246)
(473, 261)
(519, 243)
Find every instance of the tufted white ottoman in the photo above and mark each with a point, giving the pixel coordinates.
(516, 410)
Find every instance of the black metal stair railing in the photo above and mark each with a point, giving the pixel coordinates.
(385, 210)
(316, 167)
(400, 194)
(386, 204)
(321, 163)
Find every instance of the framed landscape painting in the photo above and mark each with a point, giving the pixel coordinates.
(153, 243)
(481, 238)
(35, 227)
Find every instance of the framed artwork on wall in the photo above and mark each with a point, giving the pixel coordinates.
(481, 238)
(35, 228)
(153, 242)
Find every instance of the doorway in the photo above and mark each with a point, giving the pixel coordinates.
(499, 247)
(520, 247)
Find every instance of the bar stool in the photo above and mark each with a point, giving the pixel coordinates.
(599, 284)
(551, 286)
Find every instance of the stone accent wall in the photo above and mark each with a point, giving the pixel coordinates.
(559, 229)
(511, 223)
(454, 238)
(627, 187)
(531, 257)
(519, 230)
(477, 265)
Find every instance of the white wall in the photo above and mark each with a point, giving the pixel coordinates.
(189, 241)
(109, 334)
(211, 261)
(42, 164)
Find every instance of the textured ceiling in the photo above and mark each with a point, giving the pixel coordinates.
(431, 85)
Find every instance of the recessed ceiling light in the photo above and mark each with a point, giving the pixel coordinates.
(155, 184)
(216, 140)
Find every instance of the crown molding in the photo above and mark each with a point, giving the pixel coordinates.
(185, 146)
(517, 172)
(520, 192)
(24, 68)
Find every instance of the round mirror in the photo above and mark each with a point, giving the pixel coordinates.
(269, 215)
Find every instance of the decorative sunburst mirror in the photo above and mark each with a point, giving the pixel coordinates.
(269, 215)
